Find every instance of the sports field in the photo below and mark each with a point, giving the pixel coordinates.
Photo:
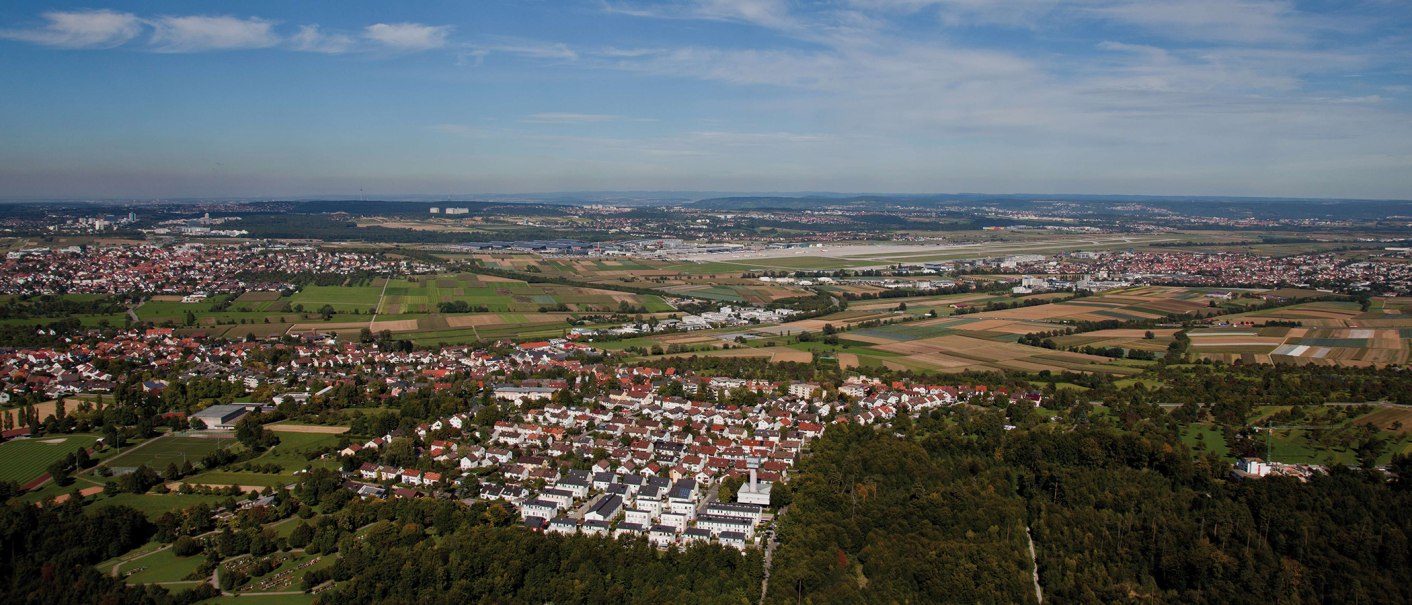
(23, 460)
(168, 449)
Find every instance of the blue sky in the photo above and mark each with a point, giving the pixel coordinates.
(277, 98)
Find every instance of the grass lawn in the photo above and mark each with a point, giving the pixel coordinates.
(1146, 382)
(1070, 386)
(1206, 438)
(22, 460)
(106, 567)
(163, 566)
(289, 454)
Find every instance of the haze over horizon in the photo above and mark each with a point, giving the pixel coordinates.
(165, 99)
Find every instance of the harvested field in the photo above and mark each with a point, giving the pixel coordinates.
(731, 353)
(781, 355)
(261, 296)
(1004, 326)
(1157, 333)
(467, 321)
(847, 360)
(400, 325)
(1396, 419)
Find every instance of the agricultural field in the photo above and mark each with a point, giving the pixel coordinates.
(1333, 346)
(23, 460)
(720, 281)
(1132, 339)
(408, 307)
(423, 294)
(1146, 302)
(912, 338)
(343, 299)
(1327, 314)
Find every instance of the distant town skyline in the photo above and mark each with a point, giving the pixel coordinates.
(170, 99)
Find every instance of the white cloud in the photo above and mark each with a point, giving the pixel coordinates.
(81, 29)
(408, 36)
(311, 39)
(204, 33)
(530, 49)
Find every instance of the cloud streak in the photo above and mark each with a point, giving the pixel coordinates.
(408, 36)
(203, 33)
(99, 29)
(311, 39)
(80, 29)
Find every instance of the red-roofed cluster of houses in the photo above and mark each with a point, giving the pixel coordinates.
(181, 269)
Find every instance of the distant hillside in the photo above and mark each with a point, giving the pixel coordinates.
(385, 208)
(1233, 207)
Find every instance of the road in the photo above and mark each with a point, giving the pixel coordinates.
(1034, 564)
(771, 543)
(711, 496)
(587, 506)
(378, 308)
(132, 312)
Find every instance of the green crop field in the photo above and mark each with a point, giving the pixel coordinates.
(341, 298)
(23, 460)
(424, 294)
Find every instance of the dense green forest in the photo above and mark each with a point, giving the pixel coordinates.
(937, 513)
(878, 519)
(512, 565)
(47, 556)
